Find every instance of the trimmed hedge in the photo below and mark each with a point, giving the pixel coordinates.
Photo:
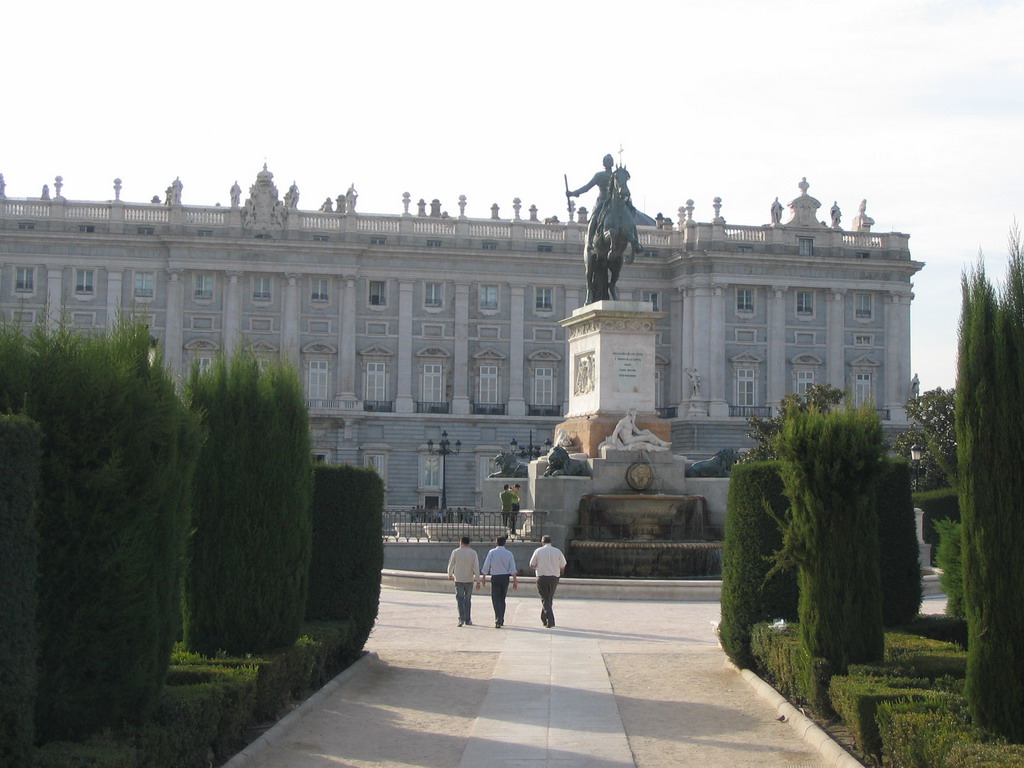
(782, 657)
(245, 590)
(112, 516)
(949, 629)
(756, 506)
(940, 504)
(855, 699)
(209, 704)
(348, 551)
(986, 756)
(897, 539)
(921, 734)
(20, 446)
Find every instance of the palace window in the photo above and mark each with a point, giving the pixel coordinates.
(434, 244)
(806, 246)
(544, 248)
(321, 292)
(203, 286)
(488, 297)
(433, 295)
(744, 300)
(430, 471)
(804, 303)
(317, 380)
(261, 289)
(378, 296)
(433, 383)
(863, 308)
(378, 241)
(544, 386)
(488, 392)
(84, 282)
(804, 379)
(652, 297)
(144, 285)
(543, 300)
(745, 393)
(144, 230)
(376, 382)
(862, 389)
(376, 461)
(863, 339)
(489, 245)
(24, 279)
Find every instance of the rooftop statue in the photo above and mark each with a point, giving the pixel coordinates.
(611, 228)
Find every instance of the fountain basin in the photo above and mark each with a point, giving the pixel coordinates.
(651, 559)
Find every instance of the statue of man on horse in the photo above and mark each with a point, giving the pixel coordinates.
(610, 230)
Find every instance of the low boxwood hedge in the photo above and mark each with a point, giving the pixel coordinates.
(855, 698)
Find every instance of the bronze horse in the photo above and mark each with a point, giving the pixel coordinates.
(613, 234)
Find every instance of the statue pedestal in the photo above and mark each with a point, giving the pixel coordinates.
(611, 348)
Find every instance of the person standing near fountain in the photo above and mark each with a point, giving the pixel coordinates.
(508, 498)
(463, 568)
(500, 565)
(549, 562)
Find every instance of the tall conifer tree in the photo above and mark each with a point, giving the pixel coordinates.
(990, 442)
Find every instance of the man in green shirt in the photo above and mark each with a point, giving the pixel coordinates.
(508, 498)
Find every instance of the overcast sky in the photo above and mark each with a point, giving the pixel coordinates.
(915, 106)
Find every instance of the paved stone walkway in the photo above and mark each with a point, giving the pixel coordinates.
(616, 685)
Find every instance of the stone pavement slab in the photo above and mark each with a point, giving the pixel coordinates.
(616, 684)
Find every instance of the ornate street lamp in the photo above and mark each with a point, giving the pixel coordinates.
(916, 453)
(444, 450)
(529, 451)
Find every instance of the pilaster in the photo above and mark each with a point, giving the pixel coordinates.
(347, 340)
(460, 376)
(776, 345)
(173, 329)
(516, 374)
(232, 313)
(404, 402)
(835, 349)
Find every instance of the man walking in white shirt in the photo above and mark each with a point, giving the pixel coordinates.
(549, 563)
(500, 565)
(463, 568)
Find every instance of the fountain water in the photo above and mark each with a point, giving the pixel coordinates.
(653, 535)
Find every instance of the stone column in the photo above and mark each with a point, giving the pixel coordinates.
(897, 375)
(404, 402)
(232, 314)
(835, 351)
(516, 372)
(776, 345)
(115, 285)
(700, 350)
(347, 340)
(290, 323)
(674, 393)
(173, 331)
(54, 295)
(717, 404)
(460, 376)
(899, 412)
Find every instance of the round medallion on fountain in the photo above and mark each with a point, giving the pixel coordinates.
(640, 476)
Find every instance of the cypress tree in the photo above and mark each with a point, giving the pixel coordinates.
(829, 465)
(990, 442)
(249, 555)
(118, 448)
(897, 540)
(20, 440)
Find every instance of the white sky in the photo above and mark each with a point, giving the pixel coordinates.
(915, 105)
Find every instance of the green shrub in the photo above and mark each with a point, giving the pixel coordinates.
(97, 754)
(829, 465)
(348, 552)
(985, 756)
(783, 659)
(245, 590)
(855, 699)
(924, 657)
(112, 515)
(948, 556)
(941, 504)
(898, 550)
(920, 734)
(753, 534)
(20, 441)
(949, 629)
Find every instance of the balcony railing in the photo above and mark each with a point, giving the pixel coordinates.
(543, 410)
(746, 411)
(489, 409)
(433, 407)
(669, 412)
(379, 406)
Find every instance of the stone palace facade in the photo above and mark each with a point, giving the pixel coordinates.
(407, 325)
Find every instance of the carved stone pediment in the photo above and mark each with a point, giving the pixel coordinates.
(746, 358)
(806, 360)
(261, 348)
(803, 210)
(319, 348)
(376, 350)
(433, 352)
(544, 356)
(263, 210)
(202, 345)
(864, 361)
(489, 354)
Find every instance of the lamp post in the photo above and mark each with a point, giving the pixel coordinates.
(529, 451)
(444, 450)
(916, 452)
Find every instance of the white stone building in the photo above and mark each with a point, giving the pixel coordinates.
(411, 324)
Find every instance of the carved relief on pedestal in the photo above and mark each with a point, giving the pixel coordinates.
(585, 378)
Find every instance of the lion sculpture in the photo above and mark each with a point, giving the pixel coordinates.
(509, 466)
(718, 465)
(560, 464)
